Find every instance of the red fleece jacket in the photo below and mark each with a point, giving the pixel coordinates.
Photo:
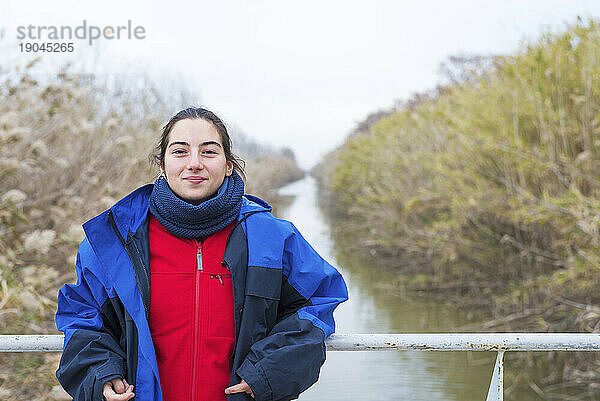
(191, 314)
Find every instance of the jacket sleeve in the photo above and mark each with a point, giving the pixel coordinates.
(288, 360)
(91, 354)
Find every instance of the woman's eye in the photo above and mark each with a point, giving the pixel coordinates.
(178, 151)
(210, 152)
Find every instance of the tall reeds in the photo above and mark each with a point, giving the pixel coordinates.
(491, 186)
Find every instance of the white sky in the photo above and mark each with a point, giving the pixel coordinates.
(297, 74)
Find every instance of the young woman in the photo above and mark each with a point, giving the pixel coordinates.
(189, 289)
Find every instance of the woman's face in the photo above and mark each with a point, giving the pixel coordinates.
(194, 163)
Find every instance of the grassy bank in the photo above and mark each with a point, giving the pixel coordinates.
(488, 189)
(70, 146)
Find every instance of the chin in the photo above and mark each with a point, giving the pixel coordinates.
(195, 199)
(191, 198)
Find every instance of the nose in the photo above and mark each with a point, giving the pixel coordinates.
(195, 162)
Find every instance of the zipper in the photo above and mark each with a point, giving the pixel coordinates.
(218, 276)
(196, 319)
(199, 257)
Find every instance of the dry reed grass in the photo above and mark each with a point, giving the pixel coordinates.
(490, 188)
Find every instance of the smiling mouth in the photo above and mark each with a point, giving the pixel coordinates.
(195, 180)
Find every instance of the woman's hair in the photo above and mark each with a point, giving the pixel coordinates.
(158, 156)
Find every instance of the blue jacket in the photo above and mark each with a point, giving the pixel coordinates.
(284, 297)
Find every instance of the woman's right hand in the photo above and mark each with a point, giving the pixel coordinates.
(117, 390)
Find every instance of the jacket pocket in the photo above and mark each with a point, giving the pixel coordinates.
(263, 291)
(220, 306)
(264, 282)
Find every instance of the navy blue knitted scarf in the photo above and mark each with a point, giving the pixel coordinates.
(185, 220)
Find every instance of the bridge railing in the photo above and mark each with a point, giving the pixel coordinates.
(498, 342)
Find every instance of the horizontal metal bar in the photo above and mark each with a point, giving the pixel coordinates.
(382, 342)
(466, 342)
(31, 343)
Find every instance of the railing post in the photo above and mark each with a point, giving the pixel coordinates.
(496, 390)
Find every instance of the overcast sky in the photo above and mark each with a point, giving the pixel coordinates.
(298, 74)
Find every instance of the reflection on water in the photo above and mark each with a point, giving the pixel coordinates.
(385, 375)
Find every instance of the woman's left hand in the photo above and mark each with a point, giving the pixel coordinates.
(241, 387)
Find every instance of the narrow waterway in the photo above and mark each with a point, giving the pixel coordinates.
(385, 375)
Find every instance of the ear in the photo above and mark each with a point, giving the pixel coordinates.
(229, 169)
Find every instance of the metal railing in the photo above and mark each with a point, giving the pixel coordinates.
(498, 342)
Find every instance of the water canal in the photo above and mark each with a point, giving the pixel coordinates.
(386, 375)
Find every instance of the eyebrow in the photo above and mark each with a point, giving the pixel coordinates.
(202, 144)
